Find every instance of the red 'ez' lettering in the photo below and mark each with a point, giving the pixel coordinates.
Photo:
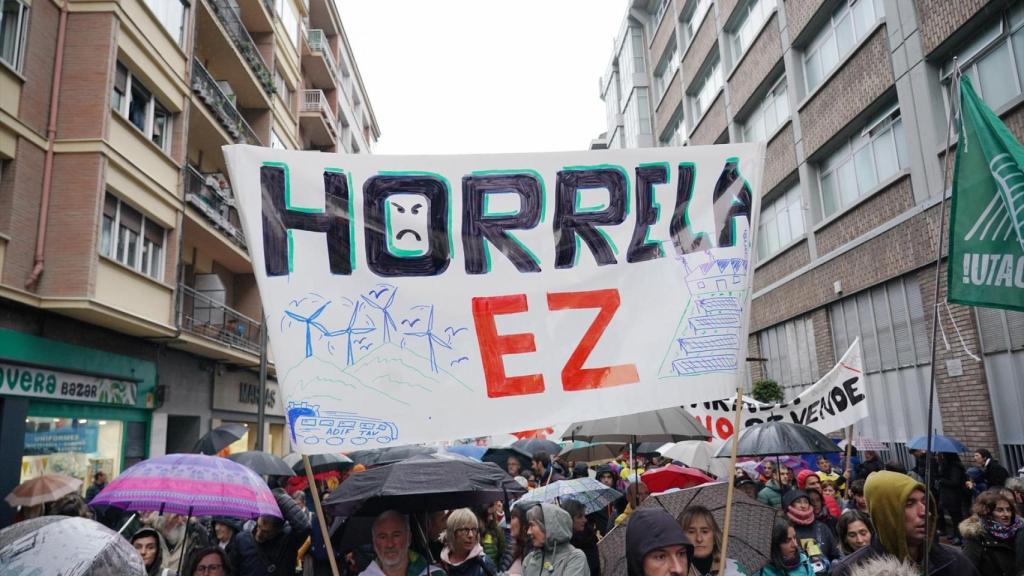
(574, 376)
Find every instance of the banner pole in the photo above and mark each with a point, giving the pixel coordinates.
(320, 515)
(846, 463)
(954, 99)
(732, 480)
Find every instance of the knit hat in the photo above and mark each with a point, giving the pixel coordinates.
(649, 529)
(801, 478)
(792, 496)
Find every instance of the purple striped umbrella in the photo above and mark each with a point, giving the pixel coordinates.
(190, 484)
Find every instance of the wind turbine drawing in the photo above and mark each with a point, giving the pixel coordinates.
(428, 333)
(350, 331)
(388, 319)
(310, 321)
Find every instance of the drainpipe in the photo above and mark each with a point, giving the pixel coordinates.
(51, 137)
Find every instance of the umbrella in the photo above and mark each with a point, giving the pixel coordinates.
(581, 451)
(66, 546)
(939, 444)
(534, 445)
(749, 537)
(389, 455)
(219, 438)
(469, 451)
(190, 484)
(865, 444)
(500, 455)
(665, 425)
(698, 454)
(262, 463)
(779, 438)
(649, 448)
(43, 489)
(420, 484)
(292, 458)
(672, 476)
(592, 494)
(323, 463)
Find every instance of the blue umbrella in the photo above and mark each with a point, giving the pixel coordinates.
(469, 451)
(939, 444)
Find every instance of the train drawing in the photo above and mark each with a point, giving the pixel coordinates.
(313, 426)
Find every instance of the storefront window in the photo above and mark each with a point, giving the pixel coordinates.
(74, 447)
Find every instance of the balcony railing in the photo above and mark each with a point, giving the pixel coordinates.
(208, 194)
(232, 22)
(223, 108)
(318, 43)
(203, 315)
(316, 101)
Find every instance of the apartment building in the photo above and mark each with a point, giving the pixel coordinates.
(129, 316)
(851, 97)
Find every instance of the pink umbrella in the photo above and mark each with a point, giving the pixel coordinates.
(193, 485)
(43, 489)
(673, 476)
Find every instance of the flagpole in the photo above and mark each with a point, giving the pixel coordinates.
(328, 546)
(954, 99)
(732, 480)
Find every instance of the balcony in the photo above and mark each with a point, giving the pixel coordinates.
(203, 314)
(222, 107)
(211, 195)
(316, 119)
(235, 28)
(318, 60)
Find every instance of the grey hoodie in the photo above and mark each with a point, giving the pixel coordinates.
(558, 557)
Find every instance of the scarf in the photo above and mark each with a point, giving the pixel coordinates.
(1003, 532)
(791, 563)
(805, 518)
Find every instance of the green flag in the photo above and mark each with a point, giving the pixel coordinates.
(986, 230)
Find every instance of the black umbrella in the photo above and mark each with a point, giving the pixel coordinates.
(323, 463)
(389, 455)
(533, 445)
(422, 484)
(778, 439)
(500, 455)
(649, 447)
(750, 532)
(666, 425)
(219, 438)
(262, 463)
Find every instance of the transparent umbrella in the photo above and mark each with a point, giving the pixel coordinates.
(66, 546)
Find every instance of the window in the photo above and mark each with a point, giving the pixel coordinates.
(289, 19)
(13, 28)
(771, 113)
(170, 13)
(753, 15)
(693, 15)
(789, 350)
(666, 69)
(995, 60)
(131, 99)
(850, 22)
(782, 221)
(284, 91)
(637, 117)
(709, 83)
(660, 11)
(127, 236)
(860, 164)
(675, 132)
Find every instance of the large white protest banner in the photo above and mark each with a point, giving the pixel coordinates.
(422, 298)
(837, 400)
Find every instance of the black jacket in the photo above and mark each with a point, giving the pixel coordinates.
(251, 558)
(866, 467)
(822, 534)
(995, 474)
(943, 561)
(951, 484)
(990, 556)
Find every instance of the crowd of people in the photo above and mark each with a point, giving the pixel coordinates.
(870, 519)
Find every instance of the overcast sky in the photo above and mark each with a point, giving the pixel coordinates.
(483, 76)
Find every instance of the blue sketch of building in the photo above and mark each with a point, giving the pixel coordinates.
(708, 338)
(313, 426)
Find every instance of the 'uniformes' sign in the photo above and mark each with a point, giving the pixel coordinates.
(418, 298)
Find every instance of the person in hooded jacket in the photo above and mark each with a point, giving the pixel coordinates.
(462, 554)
(656, 545)
(272, 546)
(550, 529)
(897, 505)
(605, 517)
(787, 559)
(815, 537)
(584, 533)
(150, 545)
(993, 535)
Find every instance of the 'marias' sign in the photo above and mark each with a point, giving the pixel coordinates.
(414, 299)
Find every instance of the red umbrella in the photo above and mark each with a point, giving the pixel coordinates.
(673, 476)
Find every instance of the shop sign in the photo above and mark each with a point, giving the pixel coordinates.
(239, 391)
(77, 439)
(19, 380)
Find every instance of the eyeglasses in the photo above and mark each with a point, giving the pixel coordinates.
(465, 530)
(209, 568)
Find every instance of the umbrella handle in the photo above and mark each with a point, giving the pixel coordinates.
(127, 522)
(184, 542)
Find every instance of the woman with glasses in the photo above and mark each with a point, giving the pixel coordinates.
(462, 554)
(210, 561)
